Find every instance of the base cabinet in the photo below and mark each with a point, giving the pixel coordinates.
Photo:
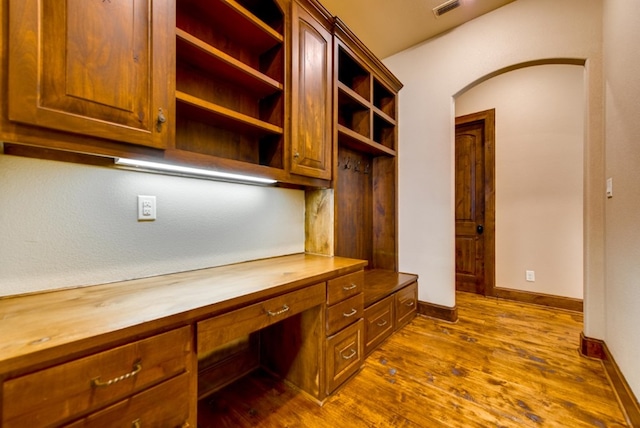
(378, 320)
(391, 302)
(344, 355)
(123, 374)
(166, 405)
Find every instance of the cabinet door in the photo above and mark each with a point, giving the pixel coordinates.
(311, 100)
(94, 67)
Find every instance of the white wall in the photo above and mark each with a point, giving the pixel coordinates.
(539, 161)
(622, 68)
(65, 225)
(433, 73)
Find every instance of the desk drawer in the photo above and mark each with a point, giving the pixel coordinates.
(164, 405)
(378, 323)
(344, 355)
(406, 304)
(61, 392)
(344, 313)
(345, 286)
(232, 325)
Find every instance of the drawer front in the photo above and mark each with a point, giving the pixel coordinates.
(165, 405)
(406, 304)
(378, 323)
(344, 313)
(57, 393)
(232, 325)
(345, 286)
(344, 355)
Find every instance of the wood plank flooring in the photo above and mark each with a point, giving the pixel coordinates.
(503, 364)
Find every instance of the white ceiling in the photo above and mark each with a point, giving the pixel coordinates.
(390, 26)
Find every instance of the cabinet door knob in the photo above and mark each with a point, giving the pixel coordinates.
(296, 155)
(161, 119)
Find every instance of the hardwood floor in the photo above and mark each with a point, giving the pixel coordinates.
(503, 364)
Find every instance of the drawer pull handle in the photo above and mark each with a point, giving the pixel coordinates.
(350, 314)
(351, 287)
(284, 309)
(97, 383)
(382, 323)
(409, 303)
(350, 356)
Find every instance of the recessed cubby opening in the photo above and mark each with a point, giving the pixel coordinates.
(354, 115)
(353, 75)
(267, 11)
(384, 99)
(383, 132)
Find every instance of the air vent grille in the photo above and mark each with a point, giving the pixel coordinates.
(445, 7)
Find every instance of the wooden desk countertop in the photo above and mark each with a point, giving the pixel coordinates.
(44, 328)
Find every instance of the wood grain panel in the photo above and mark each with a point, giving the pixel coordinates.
(217, 331)
(345, 354)
(166, 405)
(406, 305)
(311, 129)
(55, 394)
(344, 313)
(100, 72)
(344, 286)
(378, 323)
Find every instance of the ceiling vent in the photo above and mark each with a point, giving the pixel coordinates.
(445, 7)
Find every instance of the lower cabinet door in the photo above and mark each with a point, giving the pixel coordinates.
(406, 304)
(378, 323)
(164, 405)
(344, 354)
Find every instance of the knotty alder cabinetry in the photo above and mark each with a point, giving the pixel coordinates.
(91, 68)
(234, 85)
(130, 353)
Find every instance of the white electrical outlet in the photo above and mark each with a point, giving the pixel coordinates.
(530, 275)
(146, 208)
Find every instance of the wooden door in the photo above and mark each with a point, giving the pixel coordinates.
(94, 67)
(311, 85)
(474, 203)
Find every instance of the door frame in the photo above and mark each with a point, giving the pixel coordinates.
(488, 118)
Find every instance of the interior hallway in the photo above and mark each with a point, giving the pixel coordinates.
(503, 364)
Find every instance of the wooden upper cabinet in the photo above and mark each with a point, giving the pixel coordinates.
(94, 67)
(311, 134)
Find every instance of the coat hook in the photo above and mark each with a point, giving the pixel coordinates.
(366, 169)
(347, 163)
(357, 167)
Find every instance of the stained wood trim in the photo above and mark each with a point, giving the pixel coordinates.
(443, 313)
(596, 348)
(551, 301)
(592, 348)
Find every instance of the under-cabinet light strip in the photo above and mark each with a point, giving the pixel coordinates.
(198, 172)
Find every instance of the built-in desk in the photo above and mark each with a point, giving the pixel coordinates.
(142, 352)
(127, 352)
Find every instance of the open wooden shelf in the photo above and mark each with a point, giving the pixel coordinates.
(366, 176)
(237, 22)
(224, 116)
(231, 95)
(212, 60)
(356, 141)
